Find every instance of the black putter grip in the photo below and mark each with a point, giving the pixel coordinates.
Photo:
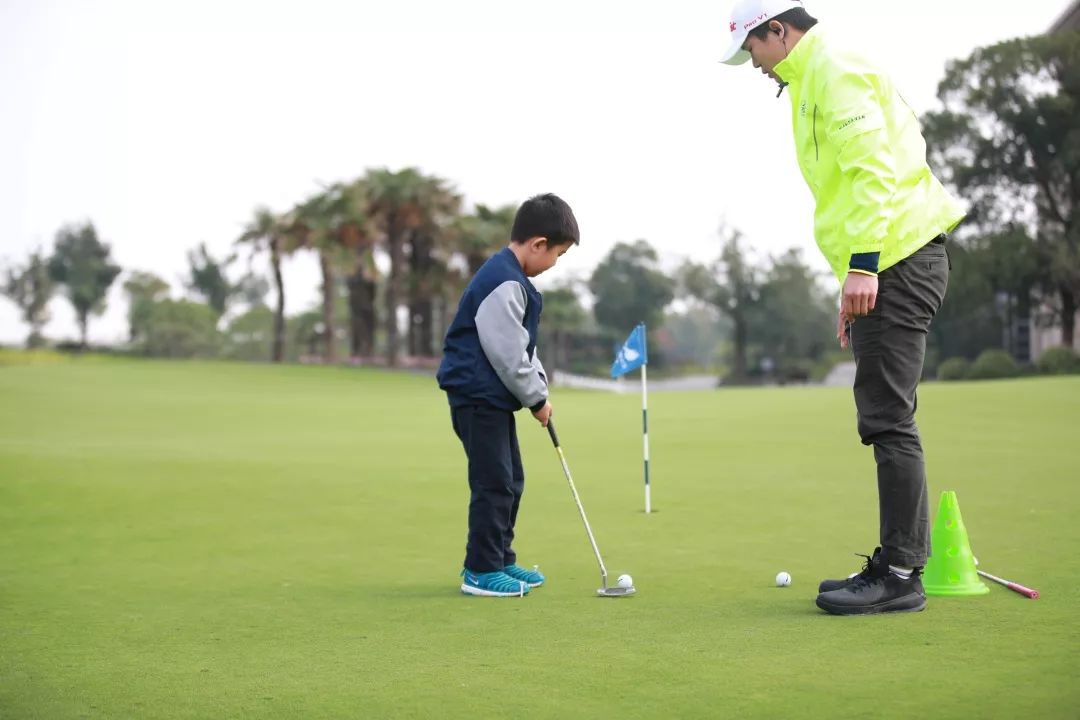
(551, 432)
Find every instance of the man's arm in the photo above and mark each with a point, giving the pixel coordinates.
(855, 124)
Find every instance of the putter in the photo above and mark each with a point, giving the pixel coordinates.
(603, 590)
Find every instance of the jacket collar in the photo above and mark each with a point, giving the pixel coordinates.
(792, 68)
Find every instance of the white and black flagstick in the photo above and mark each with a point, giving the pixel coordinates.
(645, 432)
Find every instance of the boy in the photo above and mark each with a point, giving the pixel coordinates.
(881, 220)
(489, 371)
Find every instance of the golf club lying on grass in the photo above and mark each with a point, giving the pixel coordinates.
(1015, 587)
(604, 590)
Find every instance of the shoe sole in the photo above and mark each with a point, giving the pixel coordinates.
(480, 592)
(892, 606)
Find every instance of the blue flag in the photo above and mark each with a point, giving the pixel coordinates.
(632, 354)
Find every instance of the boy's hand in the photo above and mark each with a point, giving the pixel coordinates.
(543, 414)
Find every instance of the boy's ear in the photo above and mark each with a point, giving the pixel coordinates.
(538, 243)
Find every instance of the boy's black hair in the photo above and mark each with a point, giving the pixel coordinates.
(546, 216)
(797, 18)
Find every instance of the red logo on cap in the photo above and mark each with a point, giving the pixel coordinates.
(732, 26)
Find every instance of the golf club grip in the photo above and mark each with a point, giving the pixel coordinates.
(1026, 591)
(1015, 587)
(551, 432)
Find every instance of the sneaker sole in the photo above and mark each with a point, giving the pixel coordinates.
(892, 606)
(480, 592)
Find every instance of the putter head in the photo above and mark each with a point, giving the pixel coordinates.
(616, 591)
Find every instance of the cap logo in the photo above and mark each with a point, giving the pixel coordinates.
(732, 26)
(756, 21)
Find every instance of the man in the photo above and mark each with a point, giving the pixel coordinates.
(881, 220)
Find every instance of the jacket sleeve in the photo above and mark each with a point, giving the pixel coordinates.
(505, 340)
(855, 125)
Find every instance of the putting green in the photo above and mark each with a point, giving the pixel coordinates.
(192, 540)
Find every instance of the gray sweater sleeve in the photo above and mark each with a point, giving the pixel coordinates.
(504, 340)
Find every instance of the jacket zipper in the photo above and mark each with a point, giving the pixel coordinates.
(816, 156)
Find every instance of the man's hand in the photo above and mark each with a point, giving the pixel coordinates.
(543, 414)
(859, 296)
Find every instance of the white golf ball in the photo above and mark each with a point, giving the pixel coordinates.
(625, 581)
(783, 579)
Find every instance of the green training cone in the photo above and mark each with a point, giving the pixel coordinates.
(951, 569)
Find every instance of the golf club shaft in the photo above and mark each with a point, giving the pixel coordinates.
(577, 501)
(1015, 587)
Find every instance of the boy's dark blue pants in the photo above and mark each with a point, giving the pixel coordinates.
(496, 480)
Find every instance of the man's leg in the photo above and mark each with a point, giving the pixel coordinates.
(890, 346)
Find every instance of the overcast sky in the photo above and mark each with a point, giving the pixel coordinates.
(166, 123)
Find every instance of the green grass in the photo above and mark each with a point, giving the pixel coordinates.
(225, 540)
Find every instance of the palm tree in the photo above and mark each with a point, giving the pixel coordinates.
(334, 223)
(430, 252)
(265, 231)
(311, 225)
(483, 233)
(358, 235)
(404, 205)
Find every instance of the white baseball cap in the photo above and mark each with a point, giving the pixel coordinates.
(747, 15)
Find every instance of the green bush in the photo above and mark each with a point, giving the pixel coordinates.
(956, 368)
(992, 364)
(180, 329)
(1059, 360)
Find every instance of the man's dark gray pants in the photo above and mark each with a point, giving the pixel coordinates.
(889, 346)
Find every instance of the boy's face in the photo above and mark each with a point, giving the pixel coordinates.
(541, 257)
(766, 54)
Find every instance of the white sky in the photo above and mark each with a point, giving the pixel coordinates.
(166, 123)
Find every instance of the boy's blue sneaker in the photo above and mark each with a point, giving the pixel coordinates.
(492, 584)
(532, 578)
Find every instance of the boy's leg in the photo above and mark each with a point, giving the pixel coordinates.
(517, 486)
(484, 433)
(889, 347)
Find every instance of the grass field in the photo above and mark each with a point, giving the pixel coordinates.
(226, 540)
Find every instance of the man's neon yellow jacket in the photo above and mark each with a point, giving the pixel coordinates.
(862, 153)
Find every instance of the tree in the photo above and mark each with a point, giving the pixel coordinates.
(208, 278)
(81, 263)
(180, 329)
(1008, 140)
(694, 335)
(563, 315)
(429, 251)
(482, 233)
(31, 288)
(265, 232)
(329, 222)
(793, 318)
(630, 288)
(407, 208)
(731, 284)
(246, 335)
(143, 290)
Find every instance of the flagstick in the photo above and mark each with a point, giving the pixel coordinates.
(645, 433)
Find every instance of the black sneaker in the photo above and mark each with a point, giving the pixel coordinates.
(827, 585)
(883, 591)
